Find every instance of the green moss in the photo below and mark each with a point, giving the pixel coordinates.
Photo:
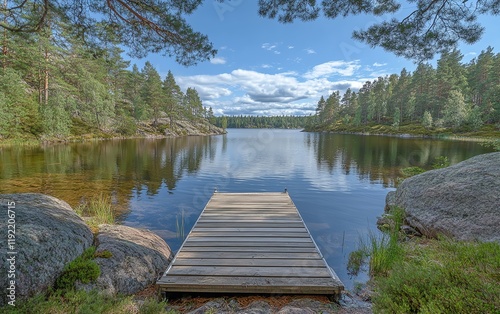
(83, 269)
(103, 254)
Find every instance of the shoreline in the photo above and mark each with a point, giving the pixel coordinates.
(94, 137)
(487, 133)
(408, 135)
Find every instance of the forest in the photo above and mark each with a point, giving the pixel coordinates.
(262, 122)
(53, 86)
(454, 95)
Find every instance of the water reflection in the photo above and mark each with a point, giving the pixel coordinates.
(380, 158)
(77, 171)
(338, 182)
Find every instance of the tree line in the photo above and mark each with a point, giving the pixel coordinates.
(457, 95)
(262, 122)
(52, 85)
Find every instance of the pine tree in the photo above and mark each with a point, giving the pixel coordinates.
(133, 94)
(456, 109)
(173, 97)
(422, 85)
(152, 92)
(320, 108)
(331, 112)
(194, 105)
(400, 96)
(450, 75)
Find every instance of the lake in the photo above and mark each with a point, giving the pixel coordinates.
(338, 182)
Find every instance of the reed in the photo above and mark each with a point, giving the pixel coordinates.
(180, 220)
(98, 210)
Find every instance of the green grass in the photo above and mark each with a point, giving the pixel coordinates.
(430, 276)
(442, 276)
(382, 250)
(83, 302)
(100, 211)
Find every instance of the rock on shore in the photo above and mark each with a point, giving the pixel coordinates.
(179, 128)
(48, 235)
(461, 201)
(137, 257)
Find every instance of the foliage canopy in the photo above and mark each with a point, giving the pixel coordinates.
(144, 26)
(159, 26)
(433, 26)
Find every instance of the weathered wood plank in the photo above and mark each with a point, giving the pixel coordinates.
(249, 262)
(248, 281)
(217, 233)
(254, 219)
(234, 249)
(248, 239)
(308, 272)
(256, 229)
(205, 284)
(251, 223)
(247, 255)
(216, 224)
(249, 244)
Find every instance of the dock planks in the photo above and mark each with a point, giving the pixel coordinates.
(250, 243)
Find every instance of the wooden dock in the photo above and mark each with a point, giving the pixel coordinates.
(250, 243)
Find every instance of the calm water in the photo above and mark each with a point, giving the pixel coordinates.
(338, 182)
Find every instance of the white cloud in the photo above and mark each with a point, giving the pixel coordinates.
(271, 47)
(218, 60)
(310, 51)
(268, 46)
(344, 68)
(251, 92)
(291, 47)
(376, 64)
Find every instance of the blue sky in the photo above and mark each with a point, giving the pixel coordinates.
(266, 68)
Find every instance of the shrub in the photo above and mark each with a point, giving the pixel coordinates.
(411, 171)
(440, 162)
(427, 120)
(83, 269)
(127, 126)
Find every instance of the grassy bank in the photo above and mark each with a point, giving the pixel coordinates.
(485, 132)
(85, 302)
(421, 275)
